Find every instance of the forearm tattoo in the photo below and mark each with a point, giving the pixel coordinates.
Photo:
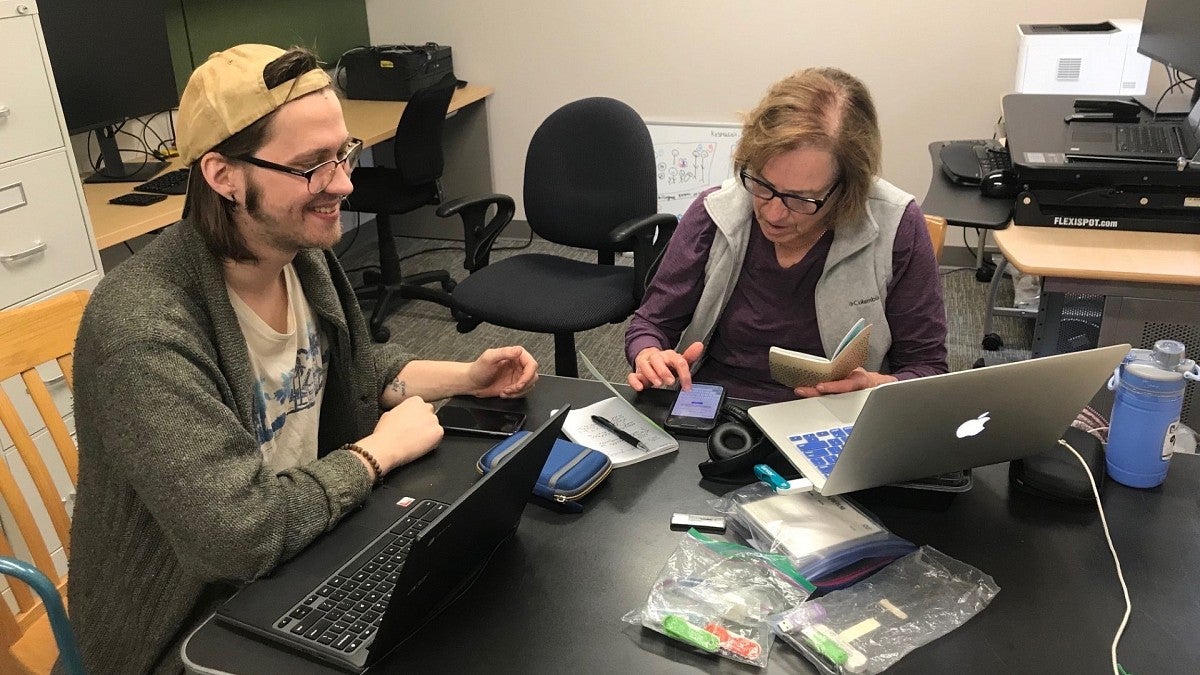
(398, 386)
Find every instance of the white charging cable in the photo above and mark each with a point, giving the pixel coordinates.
(1117, 670)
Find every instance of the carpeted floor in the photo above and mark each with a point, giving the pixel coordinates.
(427, 330)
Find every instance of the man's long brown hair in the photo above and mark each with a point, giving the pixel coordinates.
(212, 213)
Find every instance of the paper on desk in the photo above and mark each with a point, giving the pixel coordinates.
(580, 428)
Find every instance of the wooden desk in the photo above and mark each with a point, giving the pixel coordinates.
(371, 121)
(1147, 257)
(1121, 286)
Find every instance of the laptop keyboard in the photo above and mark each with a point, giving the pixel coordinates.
(343, 613)
(1142, 138)
(822, 447)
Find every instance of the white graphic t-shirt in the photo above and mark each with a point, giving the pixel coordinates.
(289, 373)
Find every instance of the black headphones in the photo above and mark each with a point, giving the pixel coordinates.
(735, 446)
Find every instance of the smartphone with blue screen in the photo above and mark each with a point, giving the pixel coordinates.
(695, 411)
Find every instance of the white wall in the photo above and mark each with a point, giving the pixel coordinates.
(937, 68)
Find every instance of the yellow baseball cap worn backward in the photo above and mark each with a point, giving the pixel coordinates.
(227, 94)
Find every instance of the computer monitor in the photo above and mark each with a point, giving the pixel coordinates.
(1171, 34)
(112, 62)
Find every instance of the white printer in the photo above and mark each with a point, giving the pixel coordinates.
(1094, 58)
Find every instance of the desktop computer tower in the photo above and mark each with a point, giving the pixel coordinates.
(1074, 317)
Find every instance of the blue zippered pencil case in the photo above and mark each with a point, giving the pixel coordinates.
(570, 473)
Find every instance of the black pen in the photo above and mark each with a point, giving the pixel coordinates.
(623, 435)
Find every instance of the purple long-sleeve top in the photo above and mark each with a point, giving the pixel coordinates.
(751, 323)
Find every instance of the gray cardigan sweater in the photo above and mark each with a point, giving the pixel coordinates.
(853, 285)
(174, 508)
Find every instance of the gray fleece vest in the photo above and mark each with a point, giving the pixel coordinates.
(853, 284)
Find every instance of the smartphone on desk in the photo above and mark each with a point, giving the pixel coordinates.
(482, 421)
(695, 411)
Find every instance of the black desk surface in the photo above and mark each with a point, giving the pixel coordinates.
(551, 600)
(962, 205)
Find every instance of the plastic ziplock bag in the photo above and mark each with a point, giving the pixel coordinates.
(820, 535)
(716, 596)
(868, 627)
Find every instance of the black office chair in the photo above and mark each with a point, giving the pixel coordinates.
(589, 183)
(415, 182)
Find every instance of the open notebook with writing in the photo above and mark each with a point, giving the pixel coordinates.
(580, 428)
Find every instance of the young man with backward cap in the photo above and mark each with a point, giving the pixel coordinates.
(230, 404)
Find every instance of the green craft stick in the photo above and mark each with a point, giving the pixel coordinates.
(678, 628)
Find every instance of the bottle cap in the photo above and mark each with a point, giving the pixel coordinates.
(1168, 354)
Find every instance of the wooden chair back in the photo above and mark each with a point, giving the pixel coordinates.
(937, 234)
(31, 336)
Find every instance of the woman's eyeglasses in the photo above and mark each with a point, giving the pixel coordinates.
(795, 203)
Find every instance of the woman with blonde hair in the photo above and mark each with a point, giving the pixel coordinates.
(805, 241)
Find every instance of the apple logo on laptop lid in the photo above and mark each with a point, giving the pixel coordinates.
(972, 427)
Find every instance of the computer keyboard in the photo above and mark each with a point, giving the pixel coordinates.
(967, 162)
(343, 612)
(170, 183)
(822, 447)
(992, 159)
(1143, 138)
(137, 199)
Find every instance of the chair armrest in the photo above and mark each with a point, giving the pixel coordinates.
(646, 227)
(650, 236)
(479, 234)
(60, 625)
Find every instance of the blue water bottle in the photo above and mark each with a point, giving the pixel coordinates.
(1149, 386)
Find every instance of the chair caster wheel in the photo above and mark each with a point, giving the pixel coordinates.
(466, 322)
(381, 334)
(448, 285)
(992, 342)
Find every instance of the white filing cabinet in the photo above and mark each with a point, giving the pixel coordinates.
(46, 244)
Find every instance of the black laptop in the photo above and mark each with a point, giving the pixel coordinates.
(1164, 140)
(352, 609)
(1040, 137)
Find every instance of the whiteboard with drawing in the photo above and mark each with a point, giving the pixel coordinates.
(690, 158)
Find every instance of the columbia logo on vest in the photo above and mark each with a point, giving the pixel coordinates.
(864, 301)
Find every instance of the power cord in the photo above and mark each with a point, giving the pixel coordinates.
(957, 269)
(430, 250)
(986, 267)
(1176, 81)
(518, 247)
(526, 244)
(157, 152)
(1117, 668)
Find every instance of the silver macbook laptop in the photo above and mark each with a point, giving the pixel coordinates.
(932, 425)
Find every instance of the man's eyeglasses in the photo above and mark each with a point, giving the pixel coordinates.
(320, 176)
(795, 203)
